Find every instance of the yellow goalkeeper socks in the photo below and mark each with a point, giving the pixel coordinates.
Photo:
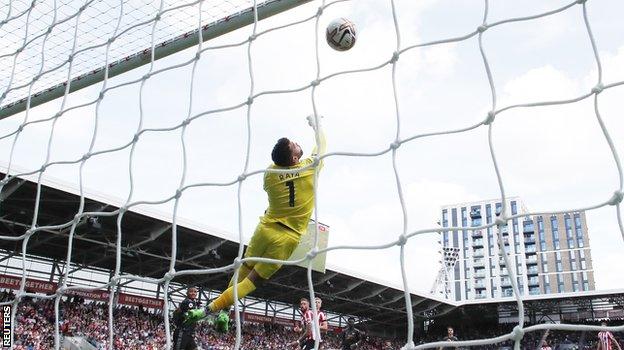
(242, 273)
(226, 299)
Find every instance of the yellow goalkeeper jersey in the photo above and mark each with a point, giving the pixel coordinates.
(291, 195)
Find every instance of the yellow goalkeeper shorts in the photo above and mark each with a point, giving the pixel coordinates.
(273, 241)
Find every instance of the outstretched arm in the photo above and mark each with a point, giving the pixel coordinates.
(315, 123)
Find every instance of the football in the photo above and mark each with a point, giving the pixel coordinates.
(340, 34)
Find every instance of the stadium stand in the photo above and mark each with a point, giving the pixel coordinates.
(142, 329)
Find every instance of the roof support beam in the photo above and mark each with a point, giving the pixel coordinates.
(155, 233)
(373, 293)
(10, 188)
(351, 287)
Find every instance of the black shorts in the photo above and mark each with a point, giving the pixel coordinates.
(183, 340)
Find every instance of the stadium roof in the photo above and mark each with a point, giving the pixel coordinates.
(146, 248)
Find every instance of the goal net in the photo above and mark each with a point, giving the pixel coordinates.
(52, 49)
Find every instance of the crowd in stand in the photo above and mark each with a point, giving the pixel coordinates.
(140, 329)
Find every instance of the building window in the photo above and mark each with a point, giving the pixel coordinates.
(444, 218)
(499, 207)
(555, 232)
(514, 208)
(578, 228)
(464, 217)
(585, 286)
(559, 283)
(568, 222)
(573, 266)
(540, 233)
(454, 223)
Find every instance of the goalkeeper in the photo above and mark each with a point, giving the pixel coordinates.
(184, 332)
(291, 201)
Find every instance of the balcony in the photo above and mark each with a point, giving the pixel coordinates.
(529, 240)
(477, 234)
(480, 295)
(531, 259)
(528, 226)
(505, 282)
(479, 273)
(533, 281)
(475, 214)
(479, 286)
(477, 243)
(478, 253)
(479, 263)
(532, 270)
(504, 230)
(529, 249)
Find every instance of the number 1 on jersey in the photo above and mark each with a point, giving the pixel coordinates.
(291, 193)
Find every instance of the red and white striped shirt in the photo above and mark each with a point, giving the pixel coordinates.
(605, 337)
(308, 318)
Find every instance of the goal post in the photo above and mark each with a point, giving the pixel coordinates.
(165, 48)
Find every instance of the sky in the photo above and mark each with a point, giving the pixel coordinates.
(552, 157)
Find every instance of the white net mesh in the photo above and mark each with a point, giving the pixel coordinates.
(56, 41)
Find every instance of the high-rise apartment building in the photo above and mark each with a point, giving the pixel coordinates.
(548, 254)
